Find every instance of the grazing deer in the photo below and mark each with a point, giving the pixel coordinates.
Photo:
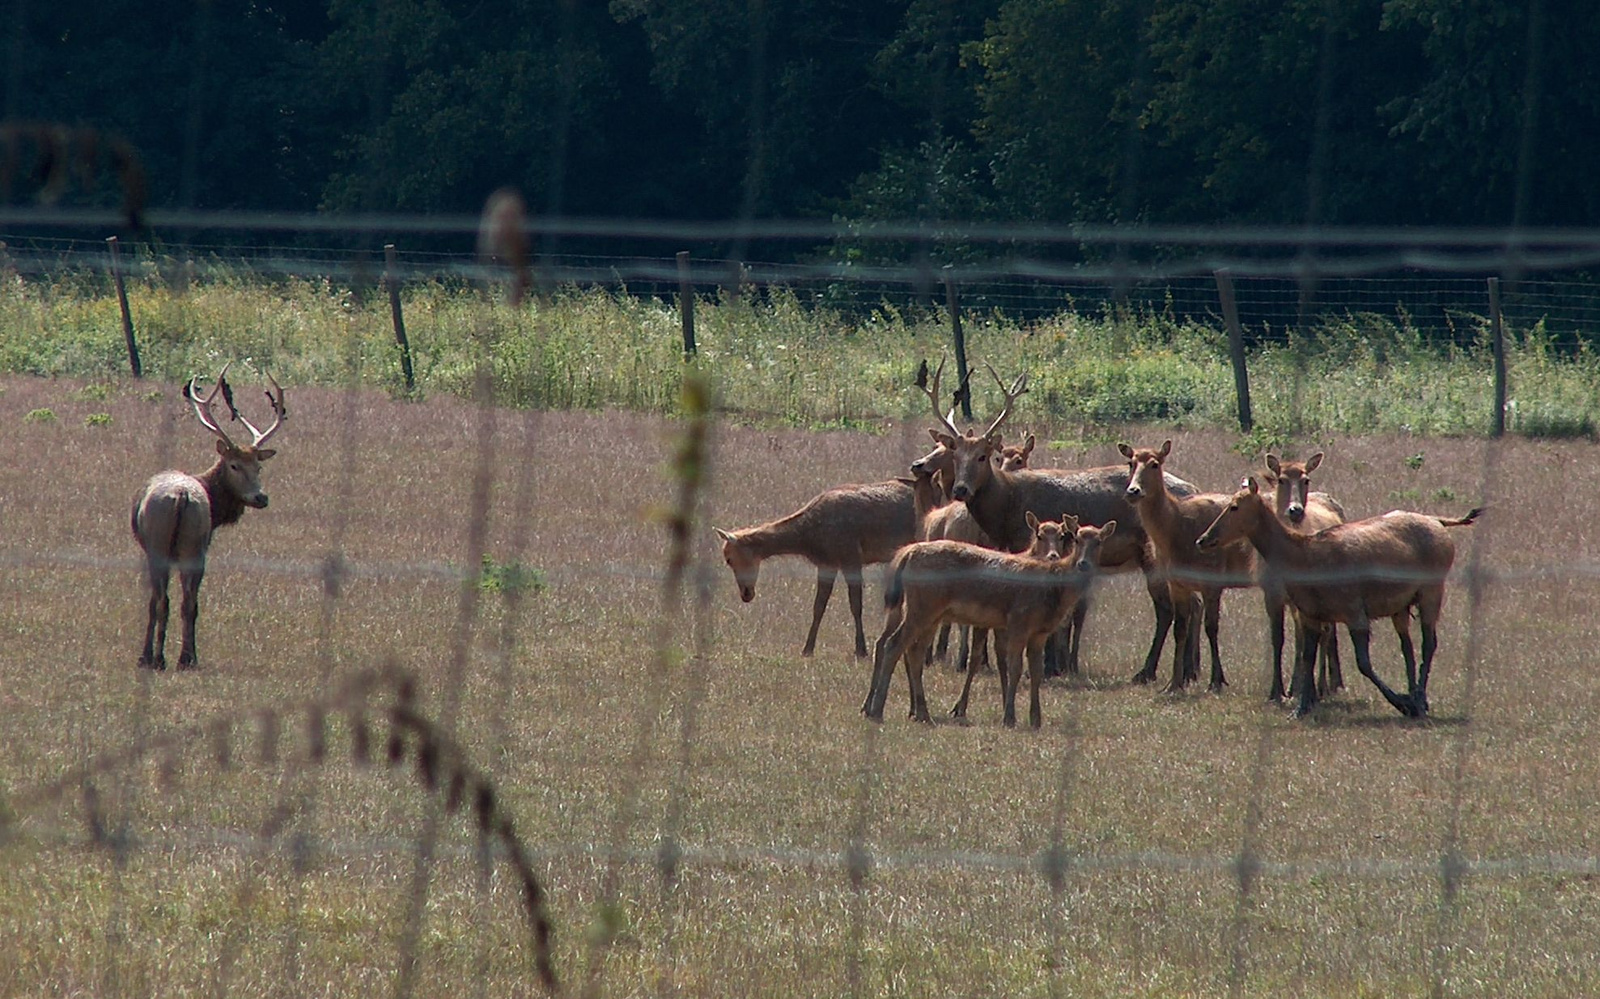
(838, 531)
(1306, 512)
(174, 518)
(1173, 523)
(999, 501)
(1026, 596)
(1350, 574)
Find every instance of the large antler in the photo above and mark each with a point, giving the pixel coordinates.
(1018, 389)
(202, 407)
(931, 390)
(278, 413)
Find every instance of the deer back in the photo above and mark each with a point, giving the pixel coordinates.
(172, 518)
(1093, 495)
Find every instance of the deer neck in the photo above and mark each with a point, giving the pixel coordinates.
(993, 508)
(789, 536)
(1277, 544)
(1159, 513)
(226, 505)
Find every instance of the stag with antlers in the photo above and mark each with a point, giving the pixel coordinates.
(1000, 501)
(174, 518)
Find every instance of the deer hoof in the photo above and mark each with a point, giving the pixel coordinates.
(156, 663)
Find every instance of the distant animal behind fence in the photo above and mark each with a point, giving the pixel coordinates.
(175, 517)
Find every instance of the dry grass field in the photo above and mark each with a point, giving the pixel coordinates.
(1458, 856)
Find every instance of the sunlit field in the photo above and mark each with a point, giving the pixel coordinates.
(707, 810)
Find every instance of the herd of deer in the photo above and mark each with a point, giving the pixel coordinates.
(977, 538)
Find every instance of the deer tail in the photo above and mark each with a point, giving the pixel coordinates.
(896, 590)
(177, 526)
(1471, 516)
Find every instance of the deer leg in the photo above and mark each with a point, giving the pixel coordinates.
(941, 648)
(1080, 613)
(980, 649)
(1330, 660)
(1361, 640)
(155, 630)
(1402, 629)
(959, 711)
(189, 583)
(1304, 683)
(1430, 645)
(1161, 599)
(963, 659)
(1275, 627)
(915, 657)
(1035, 677)
(1213, 605)
(1010, 678)
(890, 647)
(852, 584)
(1185, 639)
(819, 603)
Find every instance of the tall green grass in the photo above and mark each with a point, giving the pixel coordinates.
(777, 359)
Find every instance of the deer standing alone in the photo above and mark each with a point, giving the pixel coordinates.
(1026, 596)
(1306, 512)
(1350, 574)
(838, 531)
(175, 517)
(1173, 523)
(1000, 499)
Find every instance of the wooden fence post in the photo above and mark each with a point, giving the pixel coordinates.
(1498, 340)
(1241, 376)
(964, 393)
(391, 280)
(686, 303)
(122, 303)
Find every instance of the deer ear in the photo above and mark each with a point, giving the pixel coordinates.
(723, 535)
(264, 455)
(1033, 522)
(1251, 484)
(222, 447)
(1272, 464)
(1027, 445)
(1166, 449)
(899, 478)
(1127, 452)
(1070, 523)
(1108, 529)
(1313, 461)
(942, 439)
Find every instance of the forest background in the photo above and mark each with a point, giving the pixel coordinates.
(1348, 113)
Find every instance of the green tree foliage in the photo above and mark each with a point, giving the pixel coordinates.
(1271, 111)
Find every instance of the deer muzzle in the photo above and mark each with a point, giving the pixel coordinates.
(1296, 513)
(259, 501)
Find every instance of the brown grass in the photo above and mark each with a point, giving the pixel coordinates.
(1152, 798)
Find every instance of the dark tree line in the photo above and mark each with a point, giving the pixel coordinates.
(1353, 112)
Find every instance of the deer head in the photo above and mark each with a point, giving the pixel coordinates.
(970, 455)
(1291, 482)
(240, 464)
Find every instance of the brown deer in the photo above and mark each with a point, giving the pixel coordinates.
(838, 531)
(1173, 523)
(999, 501)
(1014, 457)
(939, 519)
(1026, 596)
(174, 518)
(1351, 574)
(1306, 512)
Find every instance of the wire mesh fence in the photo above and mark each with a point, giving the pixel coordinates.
(286, 793)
